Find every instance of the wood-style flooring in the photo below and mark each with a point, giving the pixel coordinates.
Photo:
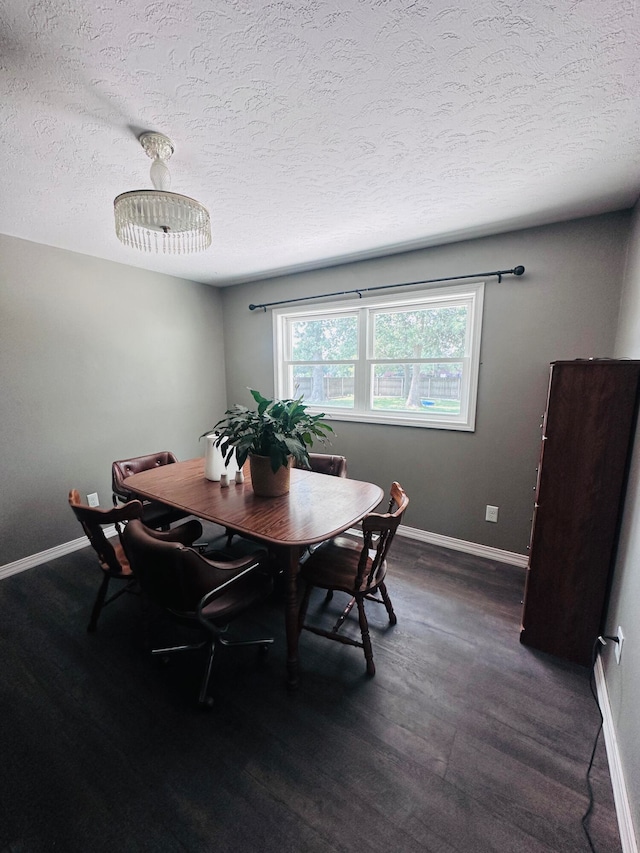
(464, 742)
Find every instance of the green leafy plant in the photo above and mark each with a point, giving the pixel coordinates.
(277, 429)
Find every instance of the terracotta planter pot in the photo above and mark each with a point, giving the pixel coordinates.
(265, 483)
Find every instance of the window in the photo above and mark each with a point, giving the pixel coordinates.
(406, 359)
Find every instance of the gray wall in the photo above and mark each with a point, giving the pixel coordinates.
(623, 680)
(566, 306)
(98, 361)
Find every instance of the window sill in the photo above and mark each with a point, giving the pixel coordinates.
(395, 419)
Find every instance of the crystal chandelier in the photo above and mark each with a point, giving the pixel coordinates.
(157, 219)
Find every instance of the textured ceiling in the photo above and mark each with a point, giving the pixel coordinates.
(317, 130)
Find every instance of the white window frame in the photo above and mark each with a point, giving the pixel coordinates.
(471, 295)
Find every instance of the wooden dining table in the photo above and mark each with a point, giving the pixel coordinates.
(316, 508)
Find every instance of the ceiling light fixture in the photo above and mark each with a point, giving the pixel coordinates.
(157, 219)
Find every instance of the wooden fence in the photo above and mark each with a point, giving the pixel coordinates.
(335, 387)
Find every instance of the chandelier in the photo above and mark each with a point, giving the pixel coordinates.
(157, 219)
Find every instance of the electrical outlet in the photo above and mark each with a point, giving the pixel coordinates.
(491, 513)
(92, 499)
(620, 636)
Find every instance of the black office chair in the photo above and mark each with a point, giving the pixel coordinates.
(196, 591)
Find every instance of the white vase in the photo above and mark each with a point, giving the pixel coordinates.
(214, 464)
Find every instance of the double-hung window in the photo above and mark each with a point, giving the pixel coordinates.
(397, 359)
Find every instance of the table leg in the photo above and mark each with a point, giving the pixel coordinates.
(291, 614)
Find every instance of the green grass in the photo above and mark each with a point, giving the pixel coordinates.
(396, 404)
(343, 402)
(440, 407)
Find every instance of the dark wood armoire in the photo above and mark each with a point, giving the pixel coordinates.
(587, 439)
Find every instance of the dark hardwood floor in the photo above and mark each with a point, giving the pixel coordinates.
(464, 741)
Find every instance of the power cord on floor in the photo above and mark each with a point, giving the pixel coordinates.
(601, 641)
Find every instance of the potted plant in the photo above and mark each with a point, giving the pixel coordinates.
(272, 436)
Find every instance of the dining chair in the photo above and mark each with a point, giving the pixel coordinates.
(326, 463)
(196, 591)
(111, 556)
(357, 570)
(154, 514)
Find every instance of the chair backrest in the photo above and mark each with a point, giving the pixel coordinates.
(379, 530)
(123, 468)
(325, 463)
(94, 520)
(170, 574)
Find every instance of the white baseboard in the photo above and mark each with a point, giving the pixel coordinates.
(620, 796)
(473, 548)
(520, 560)
(50, 554)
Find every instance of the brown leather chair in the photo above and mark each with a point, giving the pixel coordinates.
(154, 514)
(334, 466)
(196, 591)
(111, 556)
(357, 570)
(325, 463)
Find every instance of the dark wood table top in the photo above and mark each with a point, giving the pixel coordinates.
(317, 507)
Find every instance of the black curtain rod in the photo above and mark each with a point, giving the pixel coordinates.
(360, 290)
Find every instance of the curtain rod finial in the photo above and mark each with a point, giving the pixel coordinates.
(518, 270)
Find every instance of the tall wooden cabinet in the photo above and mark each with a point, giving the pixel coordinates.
(587, 438)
